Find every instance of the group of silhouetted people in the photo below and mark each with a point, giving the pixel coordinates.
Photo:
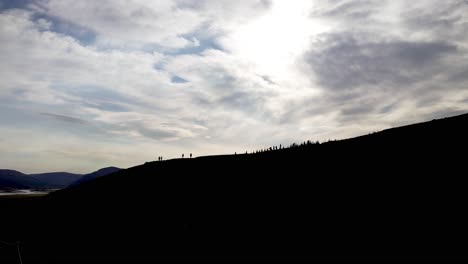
(293, 145)
(264, 150)
(273, 148)
(160, 158)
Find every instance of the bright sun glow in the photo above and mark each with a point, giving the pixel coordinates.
(273, 42)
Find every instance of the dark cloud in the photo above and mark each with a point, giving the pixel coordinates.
(356, 10)
(235, 100)
(65, 118)
(240, 100)
(268, 79)
(203, 4)
(100, 98)
(59, 25)
(443, 20)
(9, 4)
(227, 91)
(388, 108)
(106, 106)
(83, 35)
(201, 39)
(177, 79)
(460, 75)
(369, 66)
(165, 131)
(344, 61)
(157, 134)
(357, 110)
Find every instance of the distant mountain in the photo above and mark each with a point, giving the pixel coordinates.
(94, 175)
(11, 179)
(57, 179)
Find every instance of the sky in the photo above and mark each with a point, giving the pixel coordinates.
(88, 84)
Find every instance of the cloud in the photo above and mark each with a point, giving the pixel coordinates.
(177, 79)
(442, 21)
(126, 25)
(141, 24)
(65, 118)
(127, 83)
(346, 61)
(6, 4)
(389, 59)
(349, 10)
(218, 76)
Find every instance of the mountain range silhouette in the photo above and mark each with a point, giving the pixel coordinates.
(12, 180)
(394, 195)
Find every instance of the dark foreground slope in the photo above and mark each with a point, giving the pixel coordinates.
(397, 194)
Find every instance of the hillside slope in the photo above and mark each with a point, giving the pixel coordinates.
(94, 175)
(397, 194)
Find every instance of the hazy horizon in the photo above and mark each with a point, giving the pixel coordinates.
(91, 84)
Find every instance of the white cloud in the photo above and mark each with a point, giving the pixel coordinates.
(95, 82)
(125, 96)
(139, 23)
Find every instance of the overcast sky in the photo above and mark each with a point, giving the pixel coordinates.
(89, 84)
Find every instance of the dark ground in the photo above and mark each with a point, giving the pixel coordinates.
(400, 194)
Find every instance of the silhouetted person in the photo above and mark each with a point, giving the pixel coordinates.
(182, 155)
(190, 155)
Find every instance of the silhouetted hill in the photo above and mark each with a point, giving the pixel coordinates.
(395, 194)
(11, 179)
(57, 179)
(94, 175)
